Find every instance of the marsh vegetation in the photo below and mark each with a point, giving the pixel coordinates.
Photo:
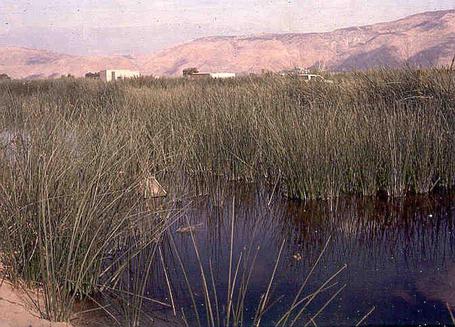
(74, 155)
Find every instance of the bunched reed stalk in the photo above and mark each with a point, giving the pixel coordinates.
(70, 196)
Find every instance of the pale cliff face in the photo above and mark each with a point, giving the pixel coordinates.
(426, 39)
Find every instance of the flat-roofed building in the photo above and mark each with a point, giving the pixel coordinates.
(222, 75)
(210, 75)
(110, 75)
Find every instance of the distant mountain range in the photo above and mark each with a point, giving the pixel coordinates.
(425, 39)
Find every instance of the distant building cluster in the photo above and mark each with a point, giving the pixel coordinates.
(193, 73)
(109, 75)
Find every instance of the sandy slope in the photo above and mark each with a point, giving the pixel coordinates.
(16, 311)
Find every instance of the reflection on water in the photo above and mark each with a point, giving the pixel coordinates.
(400, 254)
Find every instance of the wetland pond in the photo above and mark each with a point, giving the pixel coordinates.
(394, 259)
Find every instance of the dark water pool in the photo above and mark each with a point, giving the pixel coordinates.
(399, 257)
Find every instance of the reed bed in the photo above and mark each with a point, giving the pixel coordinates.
(74, 154)
(386, 131)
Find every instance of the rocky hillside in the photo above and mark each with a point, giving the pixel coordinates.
(425, 39)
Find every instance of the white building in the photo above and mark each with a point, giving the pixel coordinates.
(211, 75)
(222, 75)
(109, 75)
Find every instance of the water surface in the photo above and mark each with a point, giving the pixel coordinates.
(399, 256)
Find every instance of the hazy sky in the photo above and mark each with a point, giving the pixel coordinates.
(171, 21)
